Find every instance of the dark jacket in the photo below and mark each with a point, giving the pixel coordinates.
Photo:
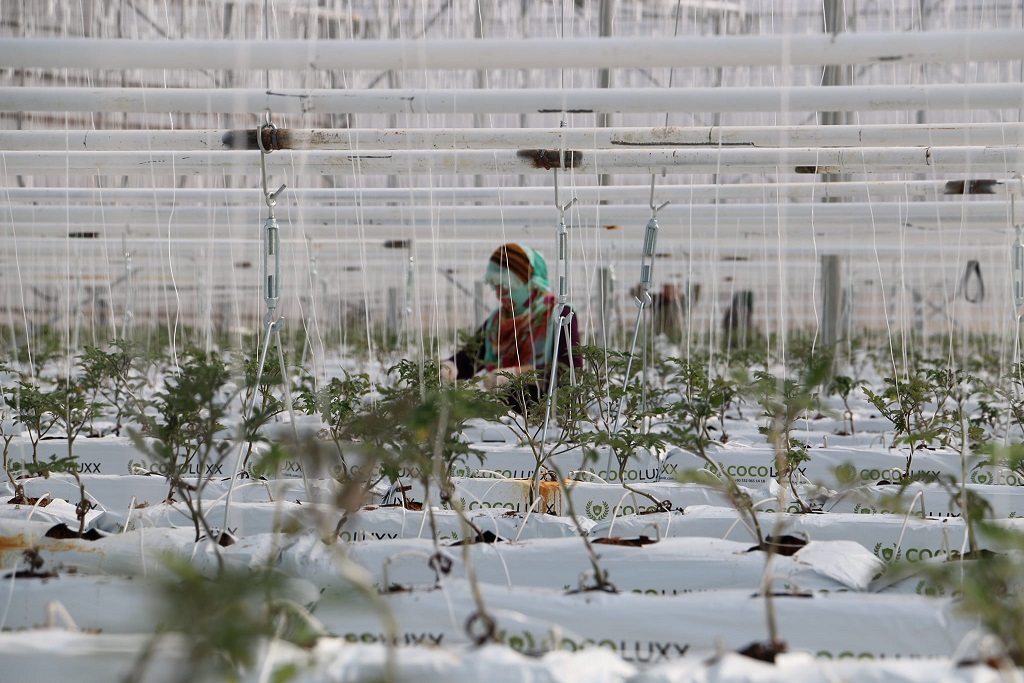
(469, 360)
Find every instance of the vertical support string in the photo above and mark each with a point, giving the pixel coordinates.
(271, 270)
(564, 317)
(644, 300)
(129, 291)
(1017, 267)
(271, 286)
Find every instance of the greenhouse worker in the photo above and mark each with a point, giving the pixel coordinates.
(519, 335)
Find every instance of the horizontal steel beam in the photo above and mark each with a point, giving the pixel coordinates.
(515, 138)
(941, 46)
(342, 257)
(813, 189)
(1001, 160)
(314, 220)
(528, 101)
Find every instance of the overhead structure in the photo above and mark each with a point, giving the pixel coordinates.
(778, 134)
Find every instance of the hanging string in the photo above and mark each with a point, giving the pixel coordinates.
(129, 296)
(271, 275)
(1017, 253)
(647, 257)
(972, 285)
(565, 312)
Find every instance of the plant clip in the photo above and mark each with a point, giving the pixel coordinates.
(765, 652)
(638, 542)
(480, 627)
(663, 506)
(440, 563)
(601, 584)
(486, 536)
(548, 475)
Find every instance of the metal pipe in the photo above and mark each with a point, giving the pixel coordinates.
(647, 161)
(517, 138)
(512, 101)
(316, 219)
(811, 190)
(721, 248)
(949, 46)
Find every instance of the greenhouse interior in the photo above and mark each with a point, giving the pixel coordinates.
(553, 340)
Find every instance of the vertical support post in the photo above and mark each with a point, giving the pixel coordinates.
(607, 320)
(479, 305)
(129, 290)
(392, 78)
(480, 77)
(833, 295)
(410, 288)
(604, 76)
(394, 312)
(836, 20)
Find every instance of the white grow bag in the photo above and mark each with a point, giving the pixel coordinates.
(649, 630)
(890, 537)
(929, 500)
(669, 567)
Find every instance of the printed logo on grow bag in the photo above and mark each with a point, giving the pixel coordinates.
(980, 474)
(864, 509)
(893, 473)
(500, 504)
(291, 467)
(137, 467)
(640, 651)
(752, 472)
(408, 473)
(792, 507)
(921, 554)
(983, 474)
(403, 639)
(507, 474)
(847, 654)
(639, 475)
(846, 472)
(460, 470)
(248, 471)
(191, 469)
(362, 535)
(608, 475)
(520, 642)
(887, 553)
(638, 510)
(597, 511)
(200, 469)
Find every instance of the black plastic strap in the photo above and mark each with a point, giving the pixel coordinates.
(973, 293)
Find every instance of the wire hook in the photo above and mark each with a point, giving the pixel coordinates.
(656, 209)
(562, 208)
(270, 197)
